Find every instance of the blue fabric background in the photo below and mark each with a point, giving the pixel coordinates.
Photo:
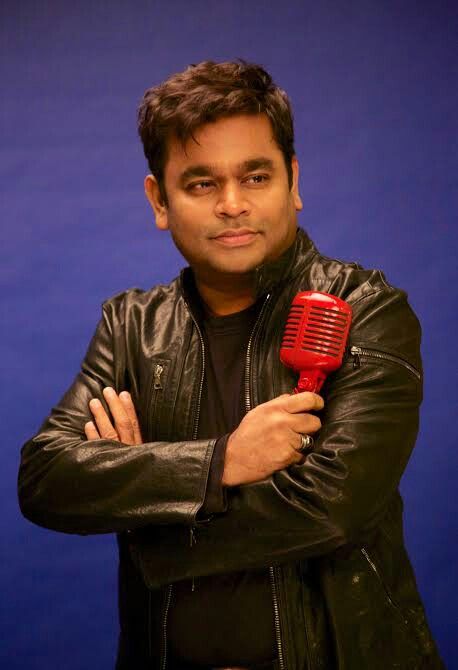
(374, 88)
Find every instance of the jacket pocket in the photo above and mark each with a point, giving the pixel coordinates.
(156, 394)
(411, 627)
(368, 624)
(361, 353)
(377, 574)
(385, 625)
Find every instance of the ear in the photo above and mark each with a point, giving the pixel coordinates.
(295, 185)
(154, 196)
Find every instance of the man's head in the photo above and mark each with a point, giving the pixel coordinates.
(204, 93)
(219, 143)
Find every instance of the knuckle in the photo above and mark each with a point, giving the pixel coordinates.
(294, 455)
(124, 425)
(312, 400)
(273, 423)
(315, 401)
(319, 402)
(289, 456)
(267, 415)
(306, 398)
(314, 424)
(282, 416)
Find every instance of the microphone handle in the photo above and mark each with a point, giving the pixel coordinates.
(310, 380)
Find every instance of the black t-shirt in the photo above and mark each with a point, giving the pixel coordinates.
(223, 619)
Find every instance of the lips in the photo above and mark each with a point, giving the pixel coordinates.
(237, 237)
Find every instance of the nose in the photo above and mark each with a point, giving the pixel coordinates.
(232, 202)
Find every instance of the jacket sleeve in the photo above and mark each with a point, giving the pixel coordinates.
(70, 484)
(343, 489)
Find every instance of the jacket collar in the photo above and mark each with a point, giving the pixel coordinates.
(284, 268)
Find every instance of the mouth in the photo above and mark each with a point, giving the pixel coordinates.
(236, 238)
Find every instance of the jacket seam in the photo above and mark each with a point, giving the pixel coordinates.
(369, 295)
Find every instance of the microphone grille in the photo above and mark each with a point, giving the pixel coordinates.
(325, 331)
(317, 325)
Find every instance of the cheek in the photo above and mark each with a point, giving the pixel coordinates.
(186, 217)
(280, 212)
(178, 222)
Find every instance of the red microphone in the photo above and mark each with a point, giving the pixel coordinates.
(315, 336)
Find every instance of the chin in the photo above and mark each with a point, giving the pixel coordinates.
(240, 268)
(239, 263)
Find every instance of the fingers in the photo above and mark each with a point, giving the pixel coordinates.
(129, 408)
(299, 408)
(91, 431)
(126, 426)
(102, 420)
(299, 402)
(299, 459)
(304, 423)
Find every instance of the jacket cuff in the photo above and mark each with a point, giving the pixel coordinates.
(215, 501)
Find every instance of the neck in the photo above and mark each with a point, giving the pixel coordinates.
(230, 296)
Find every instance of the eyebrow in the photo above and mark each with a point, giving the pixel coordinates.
(205, 170)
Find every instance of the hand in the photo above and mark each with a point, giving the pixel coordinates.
(126, 428)
(269, 436)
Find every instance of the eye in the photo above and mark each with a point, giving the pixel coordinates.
(199, 185)
(257, 179)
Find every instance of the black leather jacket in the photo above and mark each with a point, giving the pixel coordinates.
(344, 594)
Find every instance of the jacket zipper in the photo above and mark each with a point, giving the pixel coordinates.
(157, 383)
(248, 354)
(202, 376)
(273, 581)
(156, 386)
(273, 585)
(272, 569)
(168, 598)
(358, 352)
(192, 536)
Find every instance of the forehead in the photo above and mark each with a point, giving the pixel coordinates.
(225, 144)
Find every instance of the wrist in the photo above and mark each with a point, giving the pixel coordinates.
(227, 479)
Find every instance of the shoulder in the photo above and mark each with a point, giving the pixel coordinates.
(135, 301)
(382, 315)
(348, 280)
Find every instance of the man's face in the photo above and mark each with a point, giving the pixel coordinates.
(230, 208)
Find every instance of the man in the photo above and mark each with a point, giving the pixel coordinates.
(239, 548)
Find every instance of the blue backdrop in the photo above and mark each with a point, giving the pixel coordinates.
(374, 88)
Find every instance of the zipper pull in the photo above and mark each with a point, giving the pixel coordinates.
(356, 352)
(158, 370)
(192, 537)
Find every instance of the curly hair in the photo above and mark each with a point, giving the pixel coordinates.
(206, 92)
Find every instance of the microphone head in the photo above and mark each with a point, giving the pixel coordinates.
(316, 333)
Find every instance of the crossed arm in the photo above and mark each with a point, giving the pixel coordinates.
(290, 505)
(267, 439)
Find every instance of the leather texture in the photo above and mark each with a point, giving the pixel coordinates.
(332, 526)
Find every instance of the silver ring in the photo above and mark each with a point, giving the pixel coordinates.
(307, 443)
